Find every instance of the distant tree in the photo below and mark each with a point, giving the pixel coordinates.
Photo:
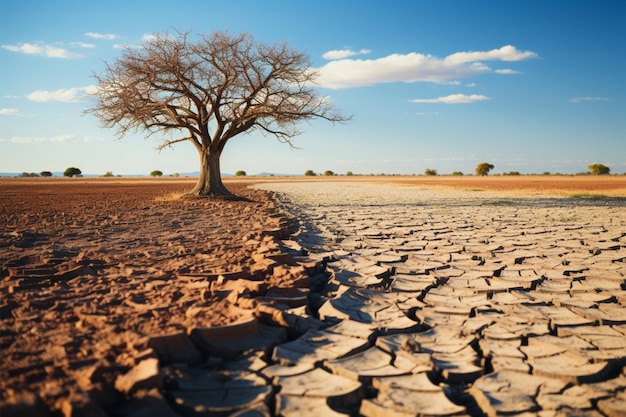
(349, 173)
(176, 174)
(29, 174)
(72, 172)
(310, 173)
(484, 168)
(457, 173)
(430, 172)
(45, 173)
(156, 173)
(599, 169)
(208, 91)
(107, 174)
(513, 173)
(329, 173)
(240, 173)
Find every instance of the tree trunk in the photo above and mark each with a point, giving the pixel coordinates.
(210, 179)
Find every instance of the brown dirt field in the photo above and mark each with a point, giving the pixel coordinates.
(90, 268)
(527, 185)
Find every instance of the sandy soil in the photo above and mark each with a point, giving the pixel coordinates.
(543, 185)
(90, 268)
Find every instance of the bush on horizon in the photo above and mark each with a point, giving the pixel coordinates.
(599, 169)
(484, 168)
(72, 172)
(156, 173)
(241, 173)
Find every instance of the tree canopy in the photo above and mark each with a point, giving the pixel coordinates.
(484, 168)
(72, 172)
(207, 91)
(599, 169)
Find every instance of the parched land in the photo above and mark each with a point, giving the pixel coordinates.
(121, 298)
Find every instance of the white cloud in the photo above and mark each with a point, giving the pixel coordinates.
(506, 53)
(106, 36)
(41, 49)
(43, 139)
(413, 67)
(9, 112)
(90, 90)
(579, 99)
(507, 71)
(67, 95)
(343, 53)
(432, 113)
(82, 45)
(453, 99)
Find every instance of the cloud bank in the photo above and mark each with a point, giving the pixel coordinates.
(42, 49)
(105, 36)
(42, 139)
(344, 53)
(453, 99)
(412, 67)
(9, 112)
(579, 99)
(68, 95)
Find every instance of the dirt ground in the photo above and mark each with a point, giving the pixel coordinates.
(544, 185)
(92, 267)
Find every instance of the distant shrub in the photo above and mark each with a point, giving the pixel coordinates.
(108, 174)
(72, 172)
(176, 174)
(29, 174)
(349, 173)
(156, 173)
(45, 173)
(457, 173)
(430, 171)
(329, 173)
(599, 169)
(240, 173)
(310, 173)
(484, 168)
(514, 173)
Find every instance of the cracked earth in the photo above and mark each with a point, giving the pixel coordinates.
(339, 298)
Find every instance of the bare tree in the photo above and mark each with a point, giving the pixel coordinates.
(208, 91)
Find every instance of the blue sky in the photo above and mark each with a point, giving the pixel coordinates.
(529, 86)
